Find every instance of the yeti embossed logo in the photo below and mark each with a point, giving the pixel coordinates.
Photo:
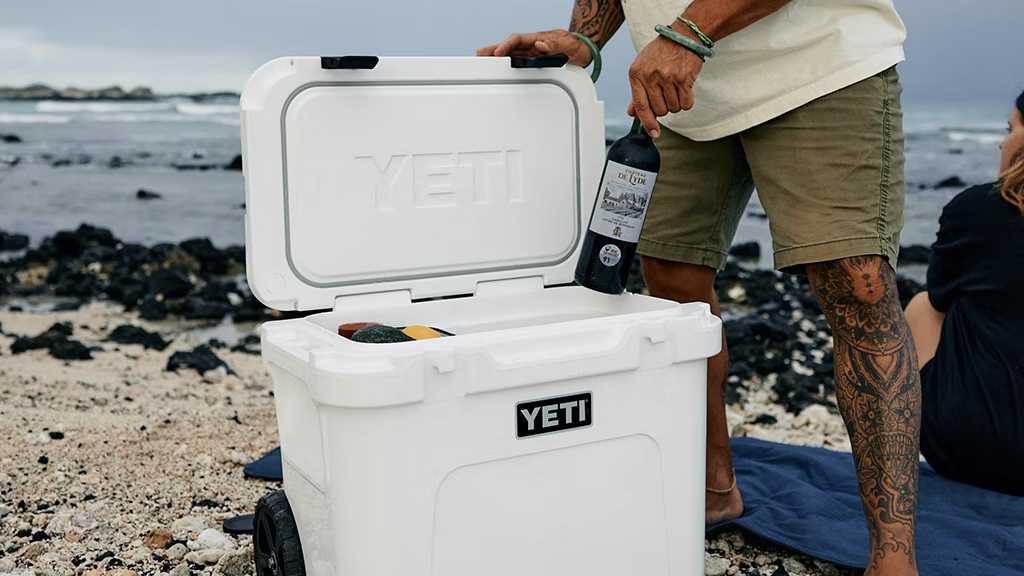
(398, 182)
(547, 415)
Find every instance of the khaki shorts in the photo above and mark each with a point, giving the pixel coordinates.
(829, 175)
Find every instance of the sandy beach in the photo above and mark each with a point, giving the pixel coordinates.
(117, 466)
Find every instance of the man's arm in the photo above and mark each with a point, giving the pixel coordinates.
(597, 19)
(663, 74)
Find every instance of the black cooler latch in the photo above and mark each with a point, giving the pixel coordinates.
(349, 62)
(542, 61)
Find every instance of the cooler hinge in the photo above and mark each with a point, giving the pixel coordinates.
(513, 286)
(377, 300)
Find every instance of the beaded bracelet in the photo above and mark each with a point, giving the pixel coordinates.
(703, 37)
(595, 55)
(686, 42)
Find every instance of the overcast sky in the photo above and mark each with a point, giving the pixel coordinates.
(957, 50)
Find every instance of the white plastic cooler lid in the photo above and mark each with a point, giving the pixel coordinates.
(426, 175)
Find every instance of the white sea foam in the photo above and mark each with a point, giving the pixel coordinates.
(986, 138)
(8, 118)
(205, 109)
(170, 117)
(101, 107)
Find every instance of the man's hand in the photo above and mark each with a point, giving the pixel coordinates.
(662, 78)
(537, 43)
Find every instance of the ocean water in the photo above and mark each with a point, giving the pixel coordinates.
(150, 138)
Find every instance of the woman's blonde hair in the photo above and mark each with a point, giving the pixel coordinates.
(1012, 181)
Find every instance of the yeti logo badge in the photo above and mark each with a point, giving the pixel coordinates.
(548, 415)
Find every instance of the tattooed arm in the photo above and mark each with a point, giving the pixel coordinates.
(879, 393)
(598, 19)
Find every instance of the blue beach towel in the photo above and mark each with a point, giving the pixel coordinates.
(806, 499)
(266, 467)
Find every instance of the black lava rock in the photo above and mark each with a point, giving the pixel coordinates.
(244, 345)
(12, 241)
(56, 435)
(126, 287)
(766, 419)
(40, 535)
(235, 164)
(213, 261)
(70, 350)
(915, 254)
(194, 308)
(115, 162)
(44, 459)
(65, 328)
(147, 195)
(170, 283)
(202, 358)
(92, 235)
(908, 288)
(206, 503)
(67, 244)
(152, 309)
(796, 392)
(10, 139)
(746, 251)
(77, 283)
(128, 334)
(952, 182)
(130, 257)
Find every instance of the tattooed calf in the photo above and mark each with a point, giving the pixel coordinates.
(879, 394)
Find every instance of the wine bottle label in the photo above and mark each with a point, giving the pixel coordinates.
(622, 205)
(610, 255)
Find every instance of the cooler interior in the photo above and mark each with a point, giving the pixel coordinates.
(479, 314)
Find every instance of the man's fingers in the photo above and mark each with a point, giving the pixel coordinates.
(631, 110)
(515, 43)
(686, 98)
(672, 102)
(656, 99)
(642, 108)
(487, 50)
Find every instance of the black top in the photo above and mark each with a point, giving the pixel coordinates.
(973, 389)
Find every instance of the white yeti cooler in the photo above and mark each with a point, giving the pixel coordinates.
(560, 431)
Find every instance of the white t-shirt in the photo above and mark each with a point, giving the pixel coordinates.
(807, 49)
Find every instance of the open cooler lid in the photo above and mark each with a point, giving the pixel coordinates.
(425, 175)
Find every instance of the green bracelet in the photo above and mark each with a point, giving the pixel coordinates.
(703, 37)
(686, 42)
(595, 55)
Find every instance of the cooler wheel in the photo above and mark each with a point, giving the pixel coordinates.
(275, 538)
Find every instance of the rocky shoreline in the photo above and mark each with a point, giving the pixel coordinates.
(126, 430)
(44, 92)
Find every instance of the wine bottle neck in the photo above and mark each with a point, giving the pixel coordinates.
(637, 126)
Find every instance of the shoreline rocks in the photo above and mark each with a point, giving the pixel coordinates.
(193, 279)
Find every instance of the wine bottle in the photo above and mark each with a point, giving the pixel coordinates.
(619, 211)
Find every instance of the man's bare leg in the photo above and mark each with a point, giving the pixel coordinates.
(692, 283)
(879, 392)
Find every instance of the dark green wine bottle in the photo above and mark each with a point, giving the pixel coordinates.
(622, 200)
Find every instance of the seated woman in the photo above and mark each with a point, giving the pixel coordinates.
(969, 331)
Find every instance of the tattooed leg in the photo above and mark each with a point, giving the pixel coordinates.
(598, 19)
(879, 393)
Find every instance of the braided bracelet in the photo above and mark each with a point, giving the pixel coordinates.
(685, 41)
(595, 54)
(696, 29)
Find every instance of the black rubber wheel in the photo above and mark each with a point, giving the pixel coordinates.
(276, 547)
